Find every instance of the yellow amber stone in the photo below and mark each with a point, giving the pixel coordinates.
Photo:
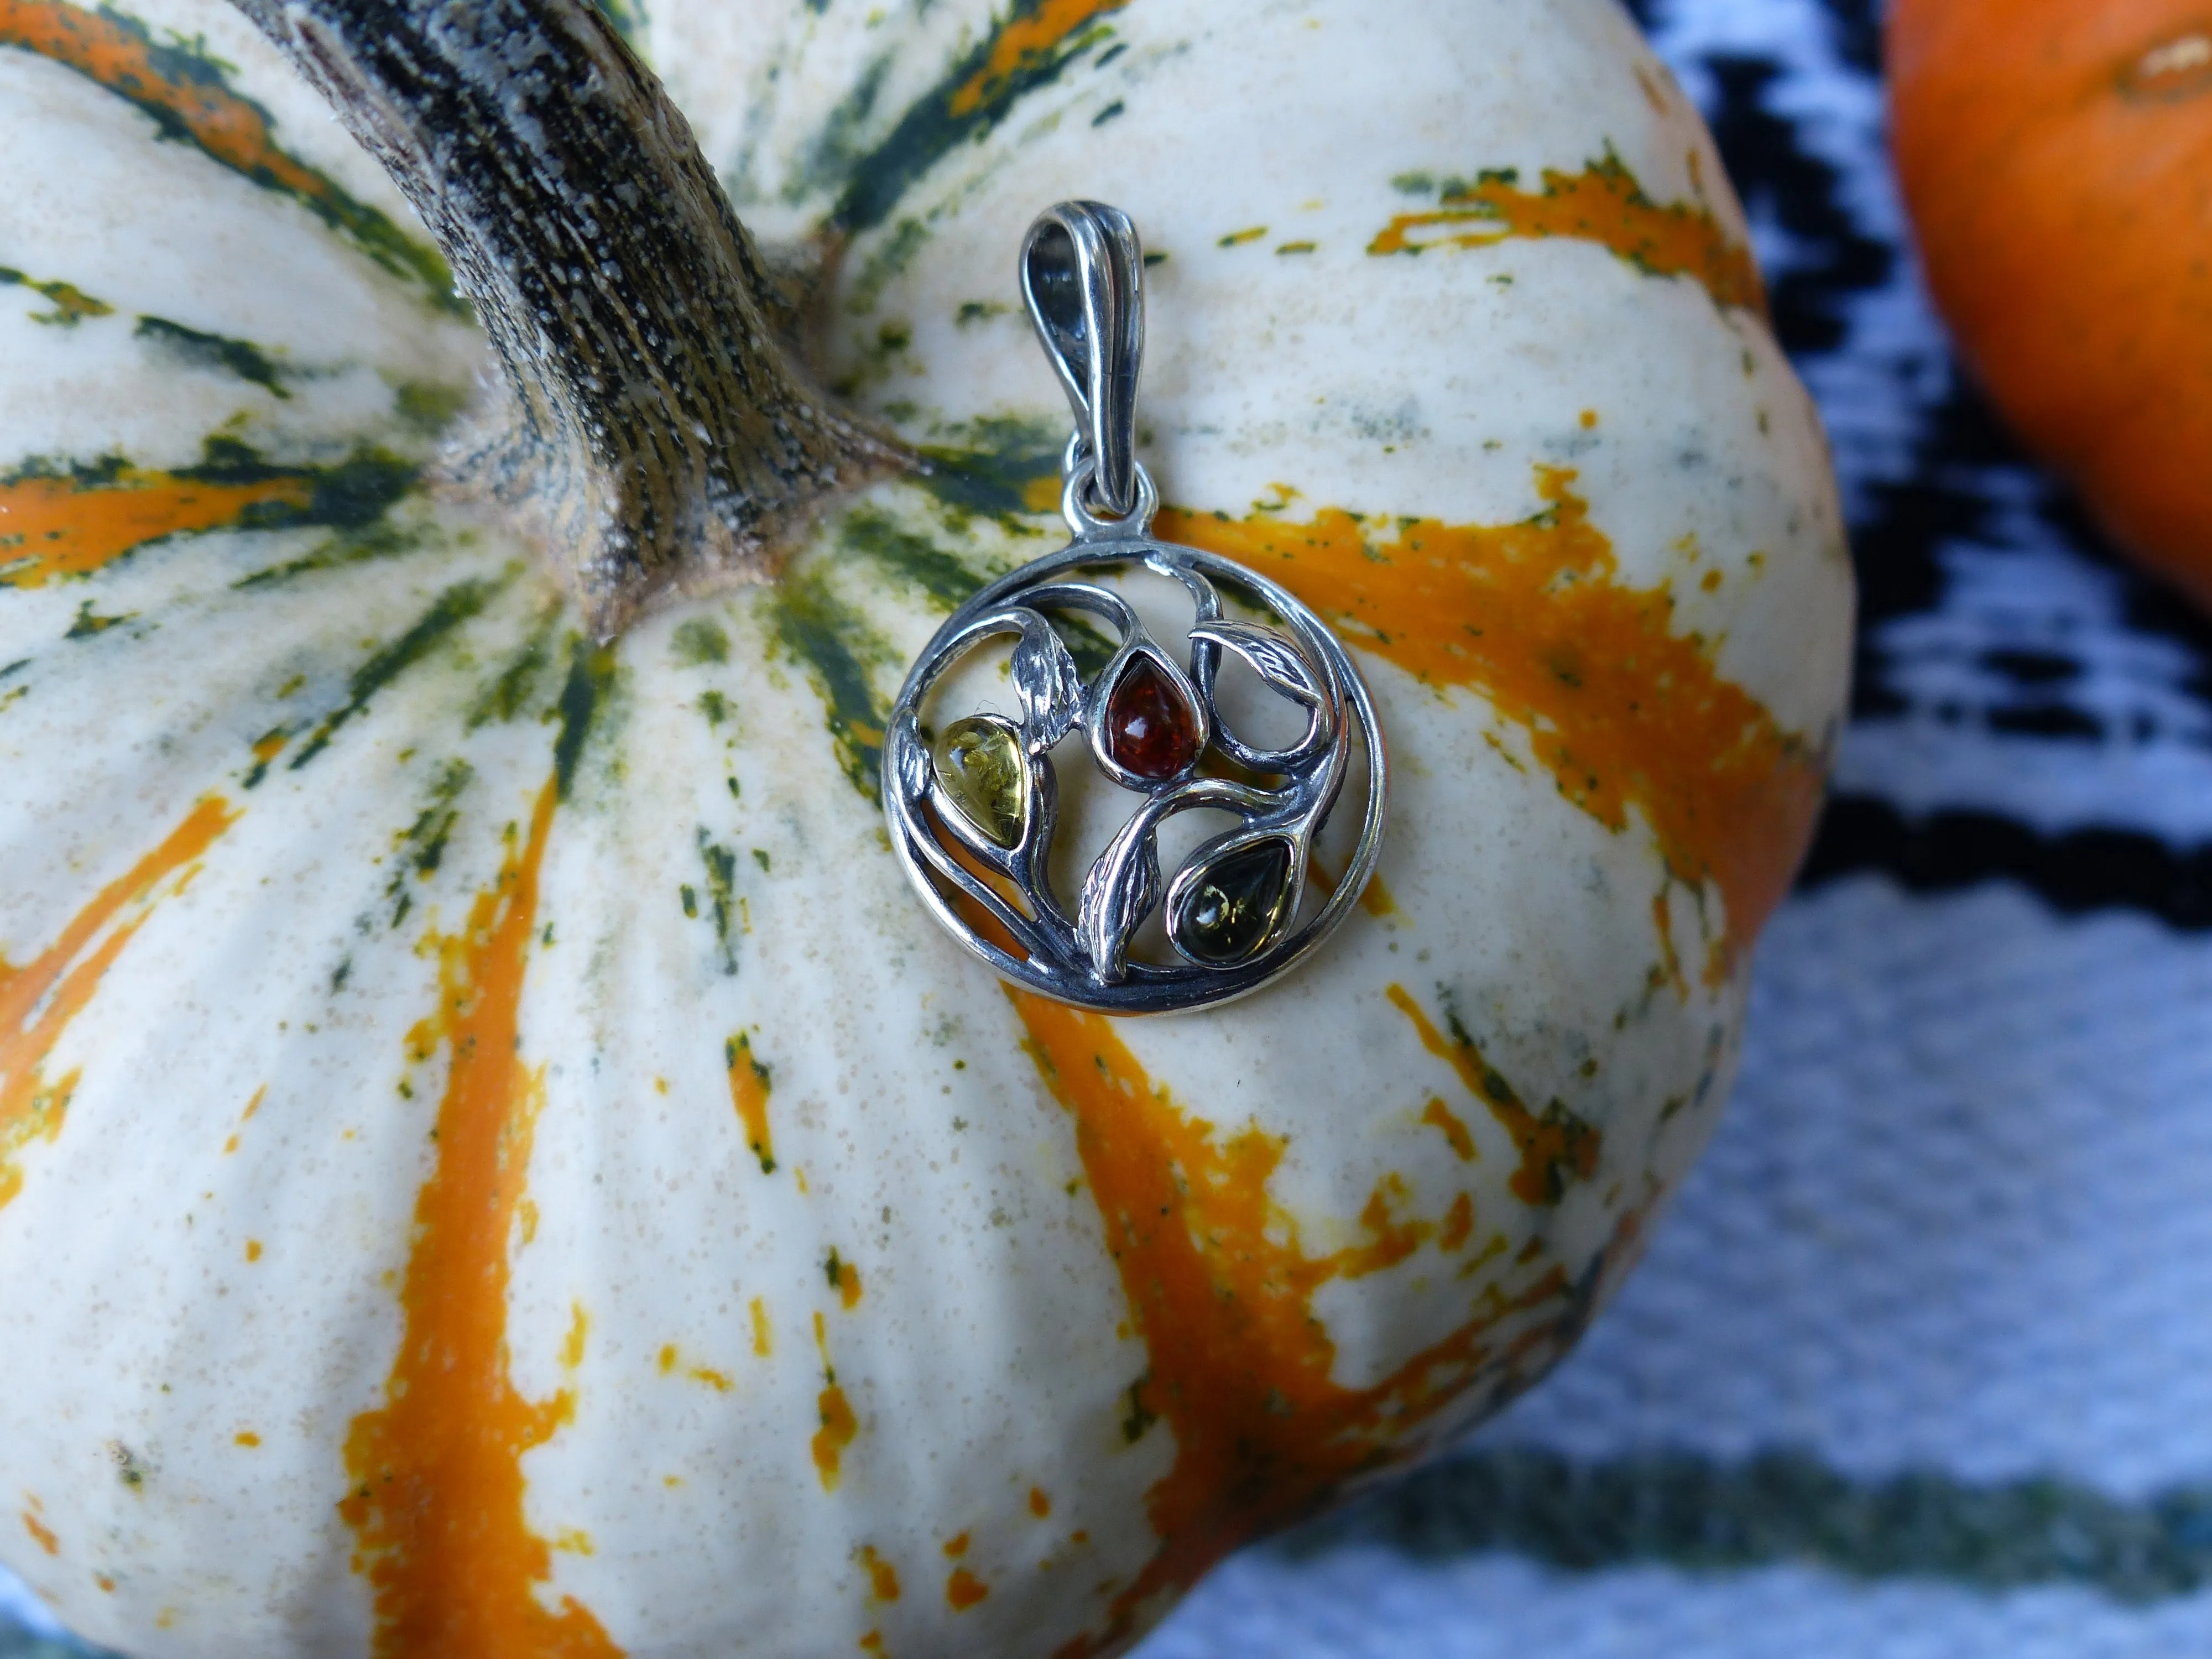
(980, 763)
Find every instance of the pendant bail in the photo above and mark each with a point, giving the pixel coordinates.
(1082, 273)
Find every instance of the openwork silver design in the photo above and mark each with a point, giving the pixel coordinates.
(974, 807)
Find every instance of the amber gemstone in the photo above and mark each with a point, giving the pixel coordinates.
(1234, 907)
(1150, 729)
(980, 764)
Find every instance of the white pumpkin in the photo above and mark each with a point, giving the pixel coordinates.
(493, 1159)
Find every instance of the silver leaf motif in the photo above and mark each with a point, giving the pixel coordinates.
(1117, 895)
(1046, 683)
(1273, 658)
(909, 758)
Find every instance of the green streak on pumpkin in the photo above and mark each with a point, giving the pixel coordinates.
(835, 646)
(841, 144)
(351, 495)
(698, 641)
(722, 894)
(429, 407)
(423, 845)
(214, 351)
(187, 95)
(876, 536)
(1009, 471)
(362, 546)
(513, 687)
(591, 674)
(72, 305)
(890, 256)
(456, 606)
(907, 555)
(89, 624)
(1028, 49)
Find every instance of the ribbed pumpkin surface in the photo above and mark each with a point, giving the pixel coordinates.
(493, 1161)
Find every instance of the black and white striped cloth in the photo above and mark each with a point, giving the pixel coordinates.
(1921, 1363)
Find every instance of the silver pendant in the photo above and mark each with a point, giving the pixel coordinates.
(974, 800)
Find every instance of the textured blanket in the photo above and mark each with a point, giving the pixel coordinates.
(1921, 1363)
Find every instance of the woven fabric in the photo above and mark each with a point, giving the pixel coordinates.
(1920, 1364)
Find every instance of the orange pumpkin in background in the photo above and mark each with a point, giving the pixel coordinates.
(2057, 160)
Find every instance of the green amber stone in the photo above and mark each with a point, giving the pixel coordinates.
(979, 762)
(1236, 904)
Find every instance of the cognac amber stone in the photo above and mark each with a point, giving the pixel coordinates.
(980, 764)
(1150, 729)
(1234, 907)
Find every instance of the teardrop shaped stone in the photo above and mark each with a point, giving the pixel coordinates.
(1150, 728)
(1234, 906)
(980, 764)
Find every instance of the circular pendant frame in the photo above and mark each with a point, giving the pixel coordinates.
(964, 872)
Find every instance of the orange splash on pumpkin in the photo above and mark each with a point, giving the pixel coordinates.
(839, 1426)
(883, 1577)
(1040, 1504)
(748, 1087)
(845, 1279)
(1556, 1146)
(1222, 1292)
(1455, 1131)
(1459, 1222)
(1622, 710)
(106, 50)
(1394, 1239)
(1024, 42)
(41, 1532)
(436, 1472)
(245, 1118)
(1603, 203)
(963, 1590)
(54, 527)
(39, 999)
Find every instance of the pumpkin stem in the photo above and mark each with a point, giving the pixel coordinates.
(655, 432)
